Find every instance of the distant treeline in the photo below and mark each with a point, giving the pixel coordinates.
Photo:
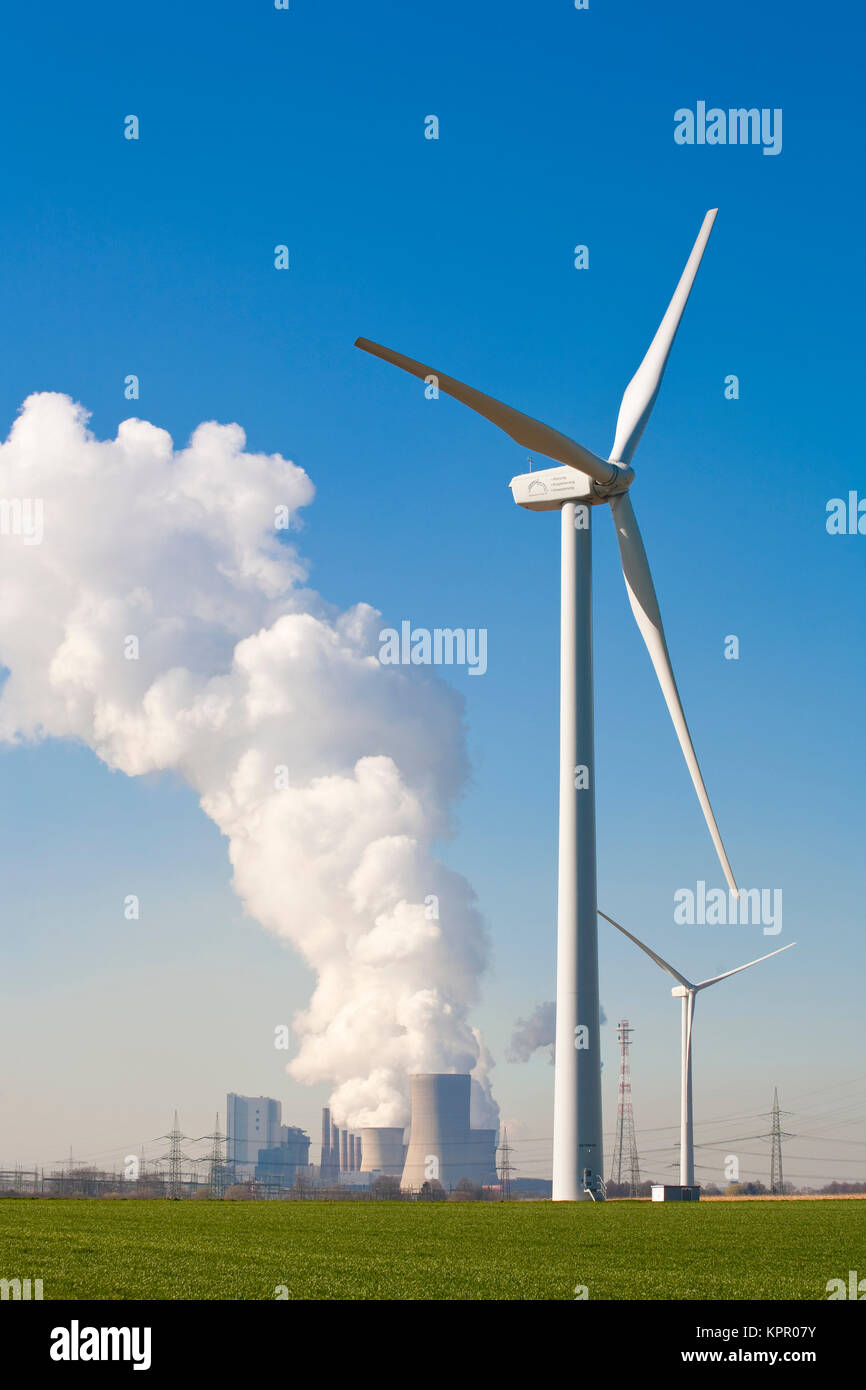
(91, 1183)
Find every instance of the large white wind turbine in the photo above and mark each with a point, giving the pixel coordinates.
(686, 991)
(585, 482)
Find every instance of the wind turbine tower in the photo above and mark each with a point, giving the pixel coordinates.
(585, 482)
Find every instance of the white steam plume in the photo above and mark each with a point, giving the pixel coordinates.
(536, 1031)
(529, 1034)
(242, 672)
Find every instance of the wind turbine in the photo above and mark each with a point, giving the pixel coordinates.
(585, 482)
(686, 991)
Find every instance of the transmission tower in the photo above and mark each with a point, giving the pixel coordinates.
(217, 1176)
(776, 1135)
(625, 1165)
(506, 1168)
(174, 1158)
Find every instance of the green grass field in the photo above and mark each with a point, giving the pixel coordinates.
(384, 1250)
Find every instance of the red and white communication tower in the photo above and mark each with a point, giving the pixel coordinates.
(625, 1166)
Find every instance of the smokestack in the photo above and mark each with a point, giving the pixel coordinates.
(335, 1150)
(351, 1153)
(326, 1139)
(381, 1150)
(441, 1144)
(344, 1151)
(358, 1153)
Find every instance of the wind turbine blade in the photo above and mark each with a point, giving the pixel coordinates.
(532, 434)
(652, 955)
(640, 394)
(644, 605)
(716, 978)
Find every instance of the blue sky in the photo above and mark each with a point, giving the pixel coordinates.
(155, 257)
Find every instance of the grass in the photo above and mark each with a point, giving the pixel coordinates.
(385, 1250)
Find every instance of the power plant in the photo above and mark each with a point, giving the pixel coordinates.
(440, 1151)
(442, 1147)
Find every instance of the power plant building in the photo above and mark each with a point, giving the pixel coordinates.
(252, 1123)
(280, 1166)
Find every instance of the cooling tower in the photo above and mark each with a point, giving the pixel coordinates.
(484, 1145)
(382, 1151)
(441, 1144)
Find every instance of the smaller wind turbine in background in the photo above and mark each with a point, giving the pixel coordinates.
(686, 991)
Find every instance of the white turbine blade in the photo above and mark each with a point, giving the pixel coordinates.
(641, 392)
(652, 955)
(532, 434)
(716, 978)
(644, 605)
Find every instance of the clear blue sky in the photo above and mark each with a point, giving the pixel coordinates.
(155, 257)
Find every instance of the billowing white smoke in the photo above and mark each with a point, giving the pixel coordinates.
(536, 1031)
(161, 618)
(529, 1034)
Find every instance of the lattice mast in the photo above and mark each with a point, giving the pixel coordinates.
(625, 1165)
(506, 1168)
(175, 1158)
(216, 1161)
(776, 1135)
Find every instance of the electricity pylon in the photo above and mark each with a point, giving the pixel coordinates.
(625, 1166)
(174, 1158)
(776, 1135)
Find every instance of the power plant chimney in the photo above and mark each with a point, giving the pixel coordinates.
(344, 1151)
(325, 1160)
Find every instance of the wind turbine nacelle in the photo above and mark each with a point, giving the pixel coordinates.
(547, 489)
